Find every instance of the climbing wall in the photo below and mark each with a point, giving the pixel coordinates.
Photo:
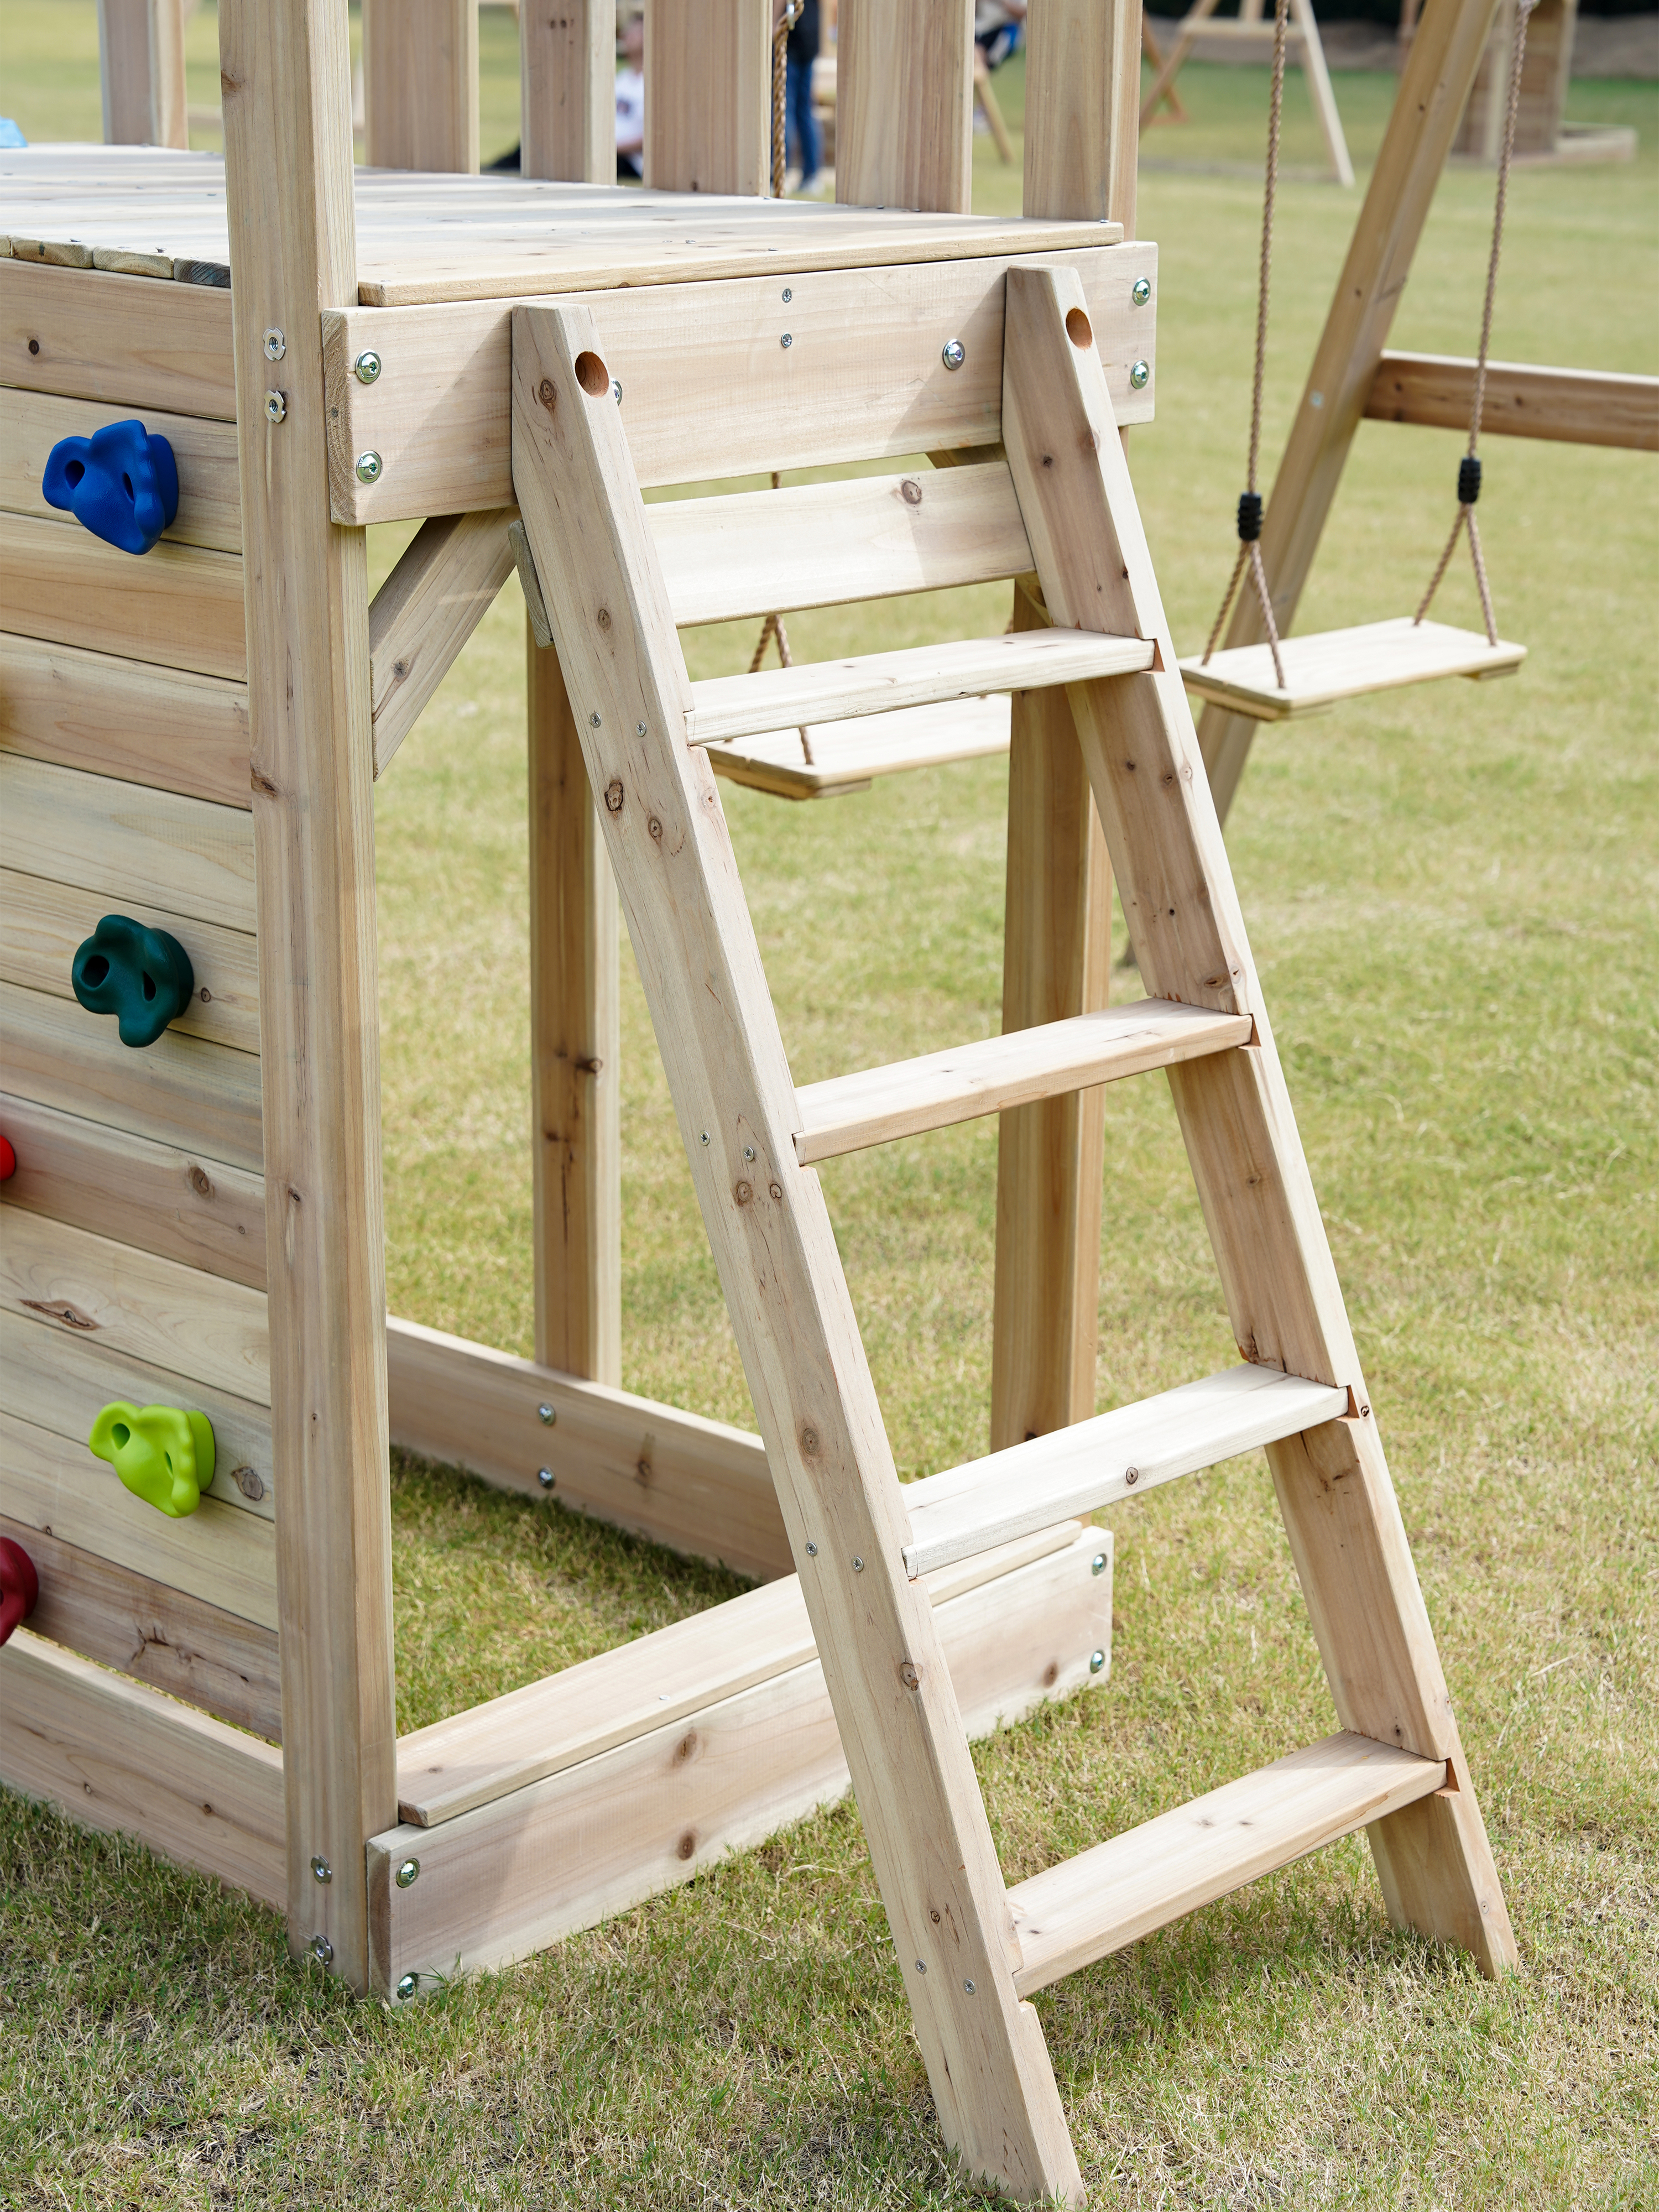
(132, 1245)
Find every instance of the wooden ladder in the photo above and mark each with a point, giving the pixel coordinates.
(972, 1949)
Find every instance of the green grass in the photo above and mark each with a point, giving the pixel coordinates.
(1452, 897)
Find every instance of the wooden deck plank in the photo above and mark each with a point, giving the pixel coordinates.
(124, 342)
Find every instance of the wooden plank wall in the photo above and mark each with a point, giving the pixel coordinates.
(132, 1252)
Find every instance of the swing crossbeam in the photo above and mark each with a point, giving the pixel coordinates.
(1328, 666)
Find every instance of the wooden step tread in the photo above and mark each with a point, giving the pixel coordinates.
(1330, 664)
(878, 1104)
(961, 668)
(1095, 1904)
(847, 757)
(1118, 1455)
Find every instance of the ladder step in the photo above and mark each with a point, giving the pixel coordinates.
(878, 1104)
(962, 668)
(1117, 1455)
(1095, 1904)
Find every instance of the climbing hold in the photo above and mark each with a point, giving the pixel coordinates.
(121, 484)
(143, 976)
(19, 1587)
(8, 1160)
(161, 1454)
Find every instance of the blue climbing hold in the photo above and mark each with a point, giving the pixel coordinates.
(143, 976)
(121, 484)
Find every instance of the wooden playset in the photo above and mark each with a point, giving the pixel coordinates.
(189, 739)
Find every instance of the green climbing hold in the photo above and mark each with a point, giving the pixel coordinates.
(143, 976)
(162, 1456)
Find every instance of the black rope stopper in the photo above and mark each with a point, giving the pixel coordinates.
(1468, 481)
(1249, 512)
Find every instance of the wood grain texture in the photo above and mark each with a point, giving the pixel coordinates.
(1082, 109)
(904, 106)
(442, 587)
(421, 85)
(708, 123)
(847, 756)
(567, 103)
(163, 1636)
(141, 48)
(124, 719)
(286, 68)
(210, 504)
(117, 1755)
(123, 341)
(1572, 406)
(179, 607)
(1326, 667)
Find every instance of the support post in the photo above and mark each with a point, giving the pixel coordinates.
(904, 106)
(421, 85)
(287, 72)
(708, 96)
(567, 98)
(141, 48)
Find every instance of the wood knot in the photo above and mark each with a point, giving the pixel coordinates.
(613, 796)
(775, 1188)
(71, 1316)
(261, 783)
(249, 1481)
(603, 618)
(743, 1193)
(655, 827)
(687, 1845)
(912, 1680)
(686, 1749)
(809, 1442)
(910, 492)
(200, 1181)
(546, 394)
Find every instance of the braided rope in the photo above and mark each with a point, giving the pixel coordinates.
(770, 628)
(781, 29)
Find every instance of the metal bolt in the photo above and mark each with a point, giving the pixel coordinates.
(322, 1950)
(1131, 1476)
(320, 1870)
(787, 295)
(954, 353)
(1140, 376)
(1097, 1661)
(748, 1151)
(276, 406)
(276, 345)
(785, 341)
(1141, 290)
(1098, 1564)
(546, 1415)
(594, 722)
(367, 367)
(369, 468)
(407, 1986)
(858, 1566)
(968, 1986)
(545, 1476)
(811, 1551)
(407, 1872)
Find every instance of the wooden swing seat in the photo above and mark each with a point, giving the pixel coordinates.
(848, 755)
(1328, 665)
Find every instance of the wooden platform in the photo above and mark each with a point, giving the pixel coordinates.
(847, 757)
(1331, 664)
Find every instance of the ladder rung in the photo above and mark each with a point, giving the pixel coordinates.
(1095, 1904)
(1117, 1455)
(962, 668)
(878, 1104)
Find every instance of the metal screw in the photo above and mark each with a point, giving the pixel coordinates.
(367, 367)
(1097, 1661)
(639, 729)
(954, 353)
(811, 1551)
(369, 468)
(748, 1151)
(785, 341)
(545, 1476)
(858, 1566)
(968, 1986)
(705, 1136)
(1141, 290)
(407, 1872)
(1131, 1476)
(408, 1985)
(787, 295)
(276, 345)
(276, 406)
(1140, 377)
(920, 1966)
(616, 390)
(594, 722)
(322, 1950)
(546, 1415)
(320, 1870)
(1098, 1564)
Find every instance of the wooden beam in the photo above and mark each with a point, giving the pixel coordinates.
(421, 85)
(125, 341)
(904, 106)
(287, 73)
(443, 585)
(141, 51)
(709, 114)
(124, 719)
(1573, 406)
(209, 503)
(179, 605)
(567, 104)
(1082, 109)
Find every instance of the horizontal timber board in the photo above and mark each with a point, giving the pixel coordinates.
(123, 341)
(195, 1325)
(178, 1092)
(177, 605)
(160, 1635)
(126, 719)
(1574, 406)
(118, 1756)
(848, 755)
(1326, 667)
(56, 1381)
(226, 1558)
(504, 1880)
(129, 841)
(43, 922)
(1121, 1890)
(209, 497)
(708, 389)
(696, 1485)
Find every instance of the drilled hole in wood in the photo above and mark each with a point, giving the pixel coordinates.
(593, 376)
(1077, 328)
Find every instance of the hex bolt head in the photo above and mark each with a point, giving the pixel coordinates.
(322, 1950)
(1141, 290)
(1096, 1663)
(785, 341)
(369, 468)
(1098, 1564)
(276, 345)
(367, 367)
(407, 1987)
(546, 1415)
(276, 407)
(406, 1872)
(953, 352)
(320, 1868)
(1140, 376)
(545, 1476)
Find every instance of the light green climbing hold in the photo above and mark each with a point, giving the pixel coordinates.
(163, 1456)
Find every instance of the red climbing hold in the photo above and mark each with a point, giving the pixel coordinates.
(8, 1160)
(19, 1587)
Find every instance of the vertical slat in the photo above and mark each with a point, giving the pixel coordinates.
(1082, 109)
(566, 100)
(904, 104)
(575, 1038)
(141, 45)
(421, 85)
(1434, 86)
(169, 118)
(286, 68)
(708, 93)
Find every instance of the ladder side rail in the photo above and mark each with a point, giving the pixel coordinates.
(768, 1226)
(1340, 1508)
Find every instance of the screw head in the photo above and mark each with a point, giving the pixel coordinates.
(748, 1151)
(616, 390)
(811, 1551)
(969, 1987)
(785, 341)
(787, 295)
(276, 406)
(705, 1136)
(595, 722)
(322, 1950)
(407, 1986)
(1098, 1564)
(546, 1415)
(921, 1966)
(1096, 1663)
(276, 345)
(639, 729)
(320, 1868)
(369, 468)
(1131, 1476)
(858, 1566)
(1140, 376)
(1141, 290)
(406, 1872)
(953, 352)
(545, 1476)
(367, 367)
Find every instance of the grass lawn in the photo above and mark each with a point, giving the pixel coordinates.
(1454, 896)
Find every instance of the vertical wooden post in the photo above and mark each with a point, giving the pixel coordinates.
(904, 104)
(1082, 130)
(574, 1047)
(567, 98)
(1434, 87)
(141, 48)
(708, 96)
(287, 71)
(421, 85)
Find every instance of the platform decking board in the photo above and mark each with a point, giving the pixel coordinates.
(127, 719)
(708, 390)
(225, 1557)
(164, 1636)
(210, 501)
(178, 1092)
(126, 342)
(116, 1755)
(129, 841)
(179, 607)
(192, 1325)
(42, 922)
(1576, 406)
